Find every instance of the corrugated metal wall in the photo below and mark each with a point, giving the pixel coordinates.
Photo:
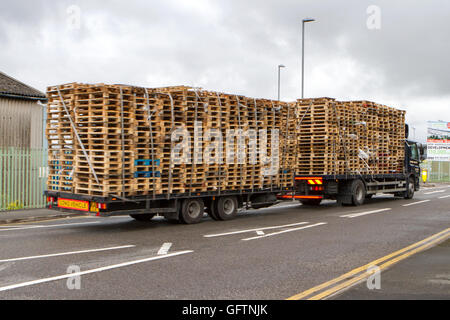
(21, 123)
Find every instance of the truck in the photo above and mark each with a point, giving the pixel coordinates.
(103, 148)
(355, 189)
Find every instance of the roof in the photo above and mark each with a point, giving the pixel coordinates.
(10, 87)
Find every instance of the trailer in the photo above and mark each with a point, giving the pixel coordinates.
(184, 208)
(112, 151)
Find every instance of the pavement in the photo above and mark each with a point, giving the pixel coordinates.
(429, 272)
(30, 215)
(288, 251)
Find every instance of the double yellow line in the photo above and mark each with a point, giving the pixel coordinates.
(331, 287)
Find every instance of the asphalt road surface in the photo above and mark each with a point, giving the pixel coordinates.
(388, 248)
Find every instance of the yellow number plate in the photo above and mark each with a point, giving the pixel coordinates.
(73, 204)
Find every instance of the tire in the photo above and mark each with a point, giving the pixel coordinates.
(192, 211)
(358, 191)
(212, 210)
(311, 202)
(409, 194)
(143, 217)
(226, 208)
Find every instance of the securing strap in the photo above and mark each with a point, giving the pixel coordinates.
(274, 118)
(172, 113)
(78, 137)
(239, 120)
(205, 105)
(220, 126)
(149, 118)
(123, 142)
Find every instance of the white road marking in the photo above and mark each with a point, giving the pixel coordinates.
(2, 227)
(260, 233)
(164, 248)
(444, 197)
(253, 230)
(433, 192)
(354, 215)
(49, 226)
(440, 187)
(67, 253)
(78, 274)
(285, 231)
(418, 202)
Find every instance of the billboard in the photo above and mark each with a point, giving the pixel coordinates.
(438, 141)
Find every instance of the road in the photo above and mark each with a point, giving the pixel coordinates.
(288, 251)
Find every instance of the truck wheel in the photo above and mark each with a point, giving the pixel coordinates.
(143, 217)
(212, 210)
(411, 189)
(358, 192)
(226, 208)
(192, 211)
(311, 202)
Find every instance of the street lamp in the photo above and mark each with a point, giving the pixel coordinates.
(279, 81)
(303, 52)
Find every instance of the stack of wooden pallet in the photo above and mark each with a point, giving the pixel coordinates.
(115, 140)
(356, 137)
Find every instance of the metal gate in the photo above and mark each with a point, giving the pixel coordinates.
(23, 176)
(438, 171)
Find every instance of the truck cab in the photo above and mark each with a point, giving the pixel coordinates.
(413, 158)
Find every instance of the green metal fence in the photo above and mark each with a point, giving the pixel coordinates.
(438, 171)
(23, 176)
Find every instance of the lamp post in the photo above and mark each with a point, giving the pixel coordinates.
(303, 52)
(279, 81)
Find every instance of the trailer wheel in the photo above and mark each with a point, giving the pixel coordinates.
(358, 192)
(311, 202)
(409, 194)
(143, 217)
(226, 208)
(192, 211)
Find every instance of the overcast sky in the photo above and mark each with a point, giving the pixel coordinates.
(396, 53)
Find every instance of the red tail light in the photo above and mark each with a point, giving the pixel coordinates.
(101, 206)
